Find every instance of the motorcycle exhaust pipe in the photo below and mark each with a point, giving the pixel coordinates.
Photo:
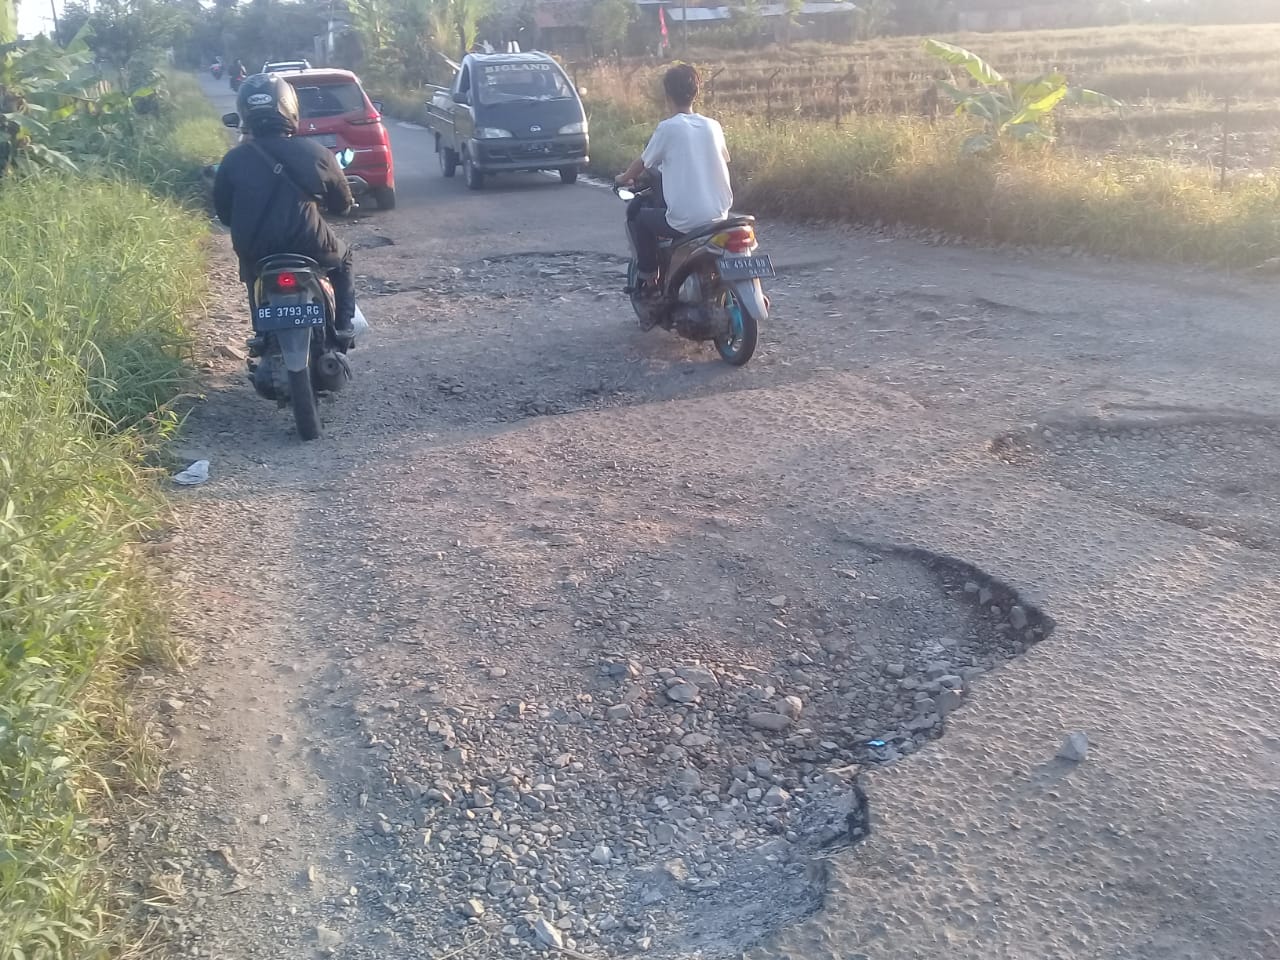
(332, 371)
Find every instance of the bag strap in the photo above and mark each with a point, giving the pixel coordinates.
(279, 169)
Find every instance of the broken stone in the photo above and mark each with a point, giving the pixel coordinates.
(776, 797)
(683, 692)
(1075, 748)
(790, 707)
(763, 720)
(327, 939)
(547, 933)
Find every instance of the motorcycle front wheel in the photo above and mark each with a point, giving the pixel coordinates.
(306, 409)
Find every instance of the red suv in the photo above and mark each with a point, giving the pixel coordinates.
(334, 108)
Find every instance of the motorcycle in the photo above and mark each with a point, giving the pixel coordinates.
(238, 78)
(709, 282)
(295, 353)
(215, 69)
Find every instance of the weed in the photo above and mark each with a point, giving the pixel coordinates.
(95, 277)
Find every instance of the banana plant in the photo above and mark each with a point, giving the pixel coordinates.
(55, 104)
(1008, 109)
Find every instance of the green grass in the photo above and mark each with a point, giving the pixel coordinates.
(96, 276)
(908, 171)
(167, 152)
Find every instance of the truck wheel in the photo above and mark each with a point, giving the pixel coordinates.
(385, 197)
(448, 159)
(475, 179)
(568, 175)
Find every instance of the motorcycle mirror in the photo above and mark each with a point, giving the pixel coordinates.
(231, 120)
(345, 157)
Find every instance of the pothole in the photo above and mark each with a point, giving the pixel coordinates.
(672, 789)
(1218, 474)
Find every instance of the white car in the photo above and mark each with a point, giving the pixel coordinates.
(285, 66)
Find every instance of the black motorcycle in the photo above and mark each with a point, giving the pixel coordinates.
(295, 354)
(709, 282)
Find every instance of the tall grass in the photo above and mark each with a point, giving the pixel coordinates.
(96, 275)
(907, 171)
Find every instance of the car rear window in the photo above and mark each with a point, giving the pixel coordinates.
(316, 100)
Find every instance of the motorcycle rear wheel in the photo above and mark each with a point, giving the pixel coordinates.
(306, 410)
(739, 345)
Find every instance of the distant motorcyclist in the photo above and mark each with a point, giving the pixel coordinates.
(269, 188)
(238, 74)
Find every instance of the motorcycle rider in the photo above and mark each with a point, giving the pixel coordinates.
(238, 72)
(268, 190)
(688, 151)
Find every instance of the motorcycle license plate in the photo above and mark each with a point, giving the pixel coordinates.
(288, 316)
(746, 268)
(325, 139)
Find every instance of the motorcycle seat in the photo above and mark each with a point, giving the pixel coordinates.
(734, 220)
(286, 261)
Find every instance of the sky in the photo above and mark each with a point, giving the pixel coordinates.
(35, 16)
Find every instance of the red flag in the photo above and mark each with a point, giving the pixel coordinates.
(662, 22)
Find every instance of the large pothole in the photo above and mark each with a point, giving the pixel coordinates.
(672, 797)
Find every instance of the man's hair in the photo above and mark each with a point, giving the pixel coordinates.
(681, 85)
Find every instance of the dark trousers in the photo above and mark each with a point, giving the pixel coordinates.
(647, 225)
(343, 279)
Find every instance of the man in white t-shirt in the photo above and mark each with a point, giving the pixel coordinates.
(689, 153)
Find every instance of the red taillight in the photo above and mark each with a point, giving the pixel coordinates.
(287, 282)
(365, 121)
(740, 241)
(737, 240)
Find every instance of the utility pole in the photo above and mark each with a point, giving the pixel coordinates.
(53, 8)
(684, 16)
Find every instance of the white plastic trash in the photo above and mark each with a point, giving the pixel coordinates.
(195, 474)
(359, 323)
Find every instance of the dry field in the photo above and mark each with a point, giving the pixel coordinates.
(1174, 80)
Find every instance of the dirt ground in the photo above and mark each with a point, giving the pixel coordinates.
(569, 638)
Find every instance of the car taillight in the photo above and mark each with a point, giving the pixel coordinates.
(288, 282)
(366, 121)
(737, 240)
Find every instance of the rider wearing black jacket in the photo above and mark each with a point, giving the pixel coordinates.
(269, 188)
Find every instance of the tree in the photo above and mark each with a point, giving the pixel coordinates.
(873, 18)
(794, 9)
(923, 16)
(72, 20)
(607, 25)
(8, 21)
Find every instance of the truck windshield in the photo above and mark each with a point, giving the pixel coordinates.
(509, 82)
